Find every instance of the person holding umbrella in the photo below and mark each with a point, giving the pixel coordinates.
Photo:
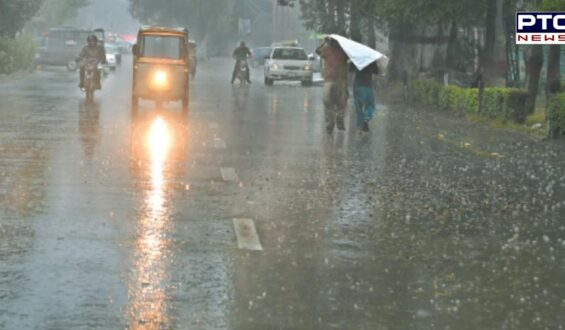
(365, 62)
(335, 85)
(363, 93)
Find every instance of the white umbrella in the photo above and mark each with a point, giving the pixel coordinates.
(360, 55)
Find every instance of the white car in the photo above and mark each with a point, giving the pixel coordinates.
(288, 63)
(111, 59)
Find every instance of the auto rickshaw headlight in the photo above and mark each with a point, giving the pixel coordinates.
(160, 79)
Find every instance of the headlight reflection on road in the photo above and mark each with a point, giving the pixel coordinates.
(148, 295)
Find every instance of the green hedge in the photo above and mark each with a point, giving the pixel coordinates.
(459, 99)
(16, 54)
(556, 115)
(503, 103)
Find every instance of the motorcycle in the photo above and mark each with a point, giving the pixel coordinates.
(243, 72)
(91, 69)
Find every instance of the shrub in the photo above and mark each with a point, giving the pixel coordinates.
(556, 115)
(425, 91)
(493, 102)
(464, 100)
(501, 103)
(16, 54)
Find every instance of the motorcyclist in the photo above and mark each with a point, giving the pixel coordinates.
(93, 51)
(241, 53)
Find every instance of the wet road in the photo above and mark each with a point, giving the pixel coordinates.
(111, 220)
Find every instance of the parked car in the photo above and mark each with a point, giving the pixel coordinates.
(288, 63)
(259, 55)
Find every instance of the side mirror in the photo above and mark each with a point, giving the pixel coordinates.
(268, 57)
(311, 58)
(135, 50)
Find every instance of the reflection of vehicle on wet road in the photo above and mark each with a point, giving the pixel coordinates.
(288, 63)
(161, 66)
(89, 127)
(92, 69)
(163, 132)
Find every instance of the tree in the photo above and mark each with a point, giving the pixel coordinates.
(210, 19)
(55, 12)
(494, 60)
(554, 53)
(535, 57)
(14, 14)
(423, 32)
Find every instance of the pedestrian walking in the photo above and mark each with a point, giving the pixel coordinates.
(335, 83)
(363, 93)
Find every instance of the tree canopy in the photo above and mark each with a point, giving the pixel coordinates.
(55, 12)
(201, 17)
(15, 13)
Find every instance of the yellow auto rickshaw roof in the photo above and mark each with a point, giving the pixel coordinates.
(163, 30)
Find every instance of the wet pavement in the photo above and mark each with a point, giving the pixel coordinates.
(114, 220)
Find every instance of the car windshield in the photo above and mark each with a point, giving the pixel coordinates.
(162, 46)
(289, 54)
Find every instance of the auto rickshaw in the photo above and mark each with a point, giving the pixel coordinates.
(161, 66)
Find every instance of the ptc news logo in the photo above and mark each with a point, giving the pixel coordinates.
(540, 28)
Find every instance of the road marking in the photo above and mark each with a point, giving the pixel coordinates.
(219, 144)
(246, 234)
(228, 174)
(214, 125)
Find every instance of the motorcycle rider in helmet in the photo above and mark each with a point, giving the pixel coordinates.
(92, 50)
(241, 53)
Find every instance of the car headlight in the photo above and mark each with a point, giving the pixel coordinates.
(160, 79)
(308, 67)
(275, 66)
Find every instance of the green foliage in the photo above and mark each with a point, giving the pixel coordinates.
(16, 54)
(201, 17)
(214, 20)
(556, 115)
(460, 99)
(553, 5)
(500, 103)
(432, 11)
(493, 102)
(14, 14)
(426, 92)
